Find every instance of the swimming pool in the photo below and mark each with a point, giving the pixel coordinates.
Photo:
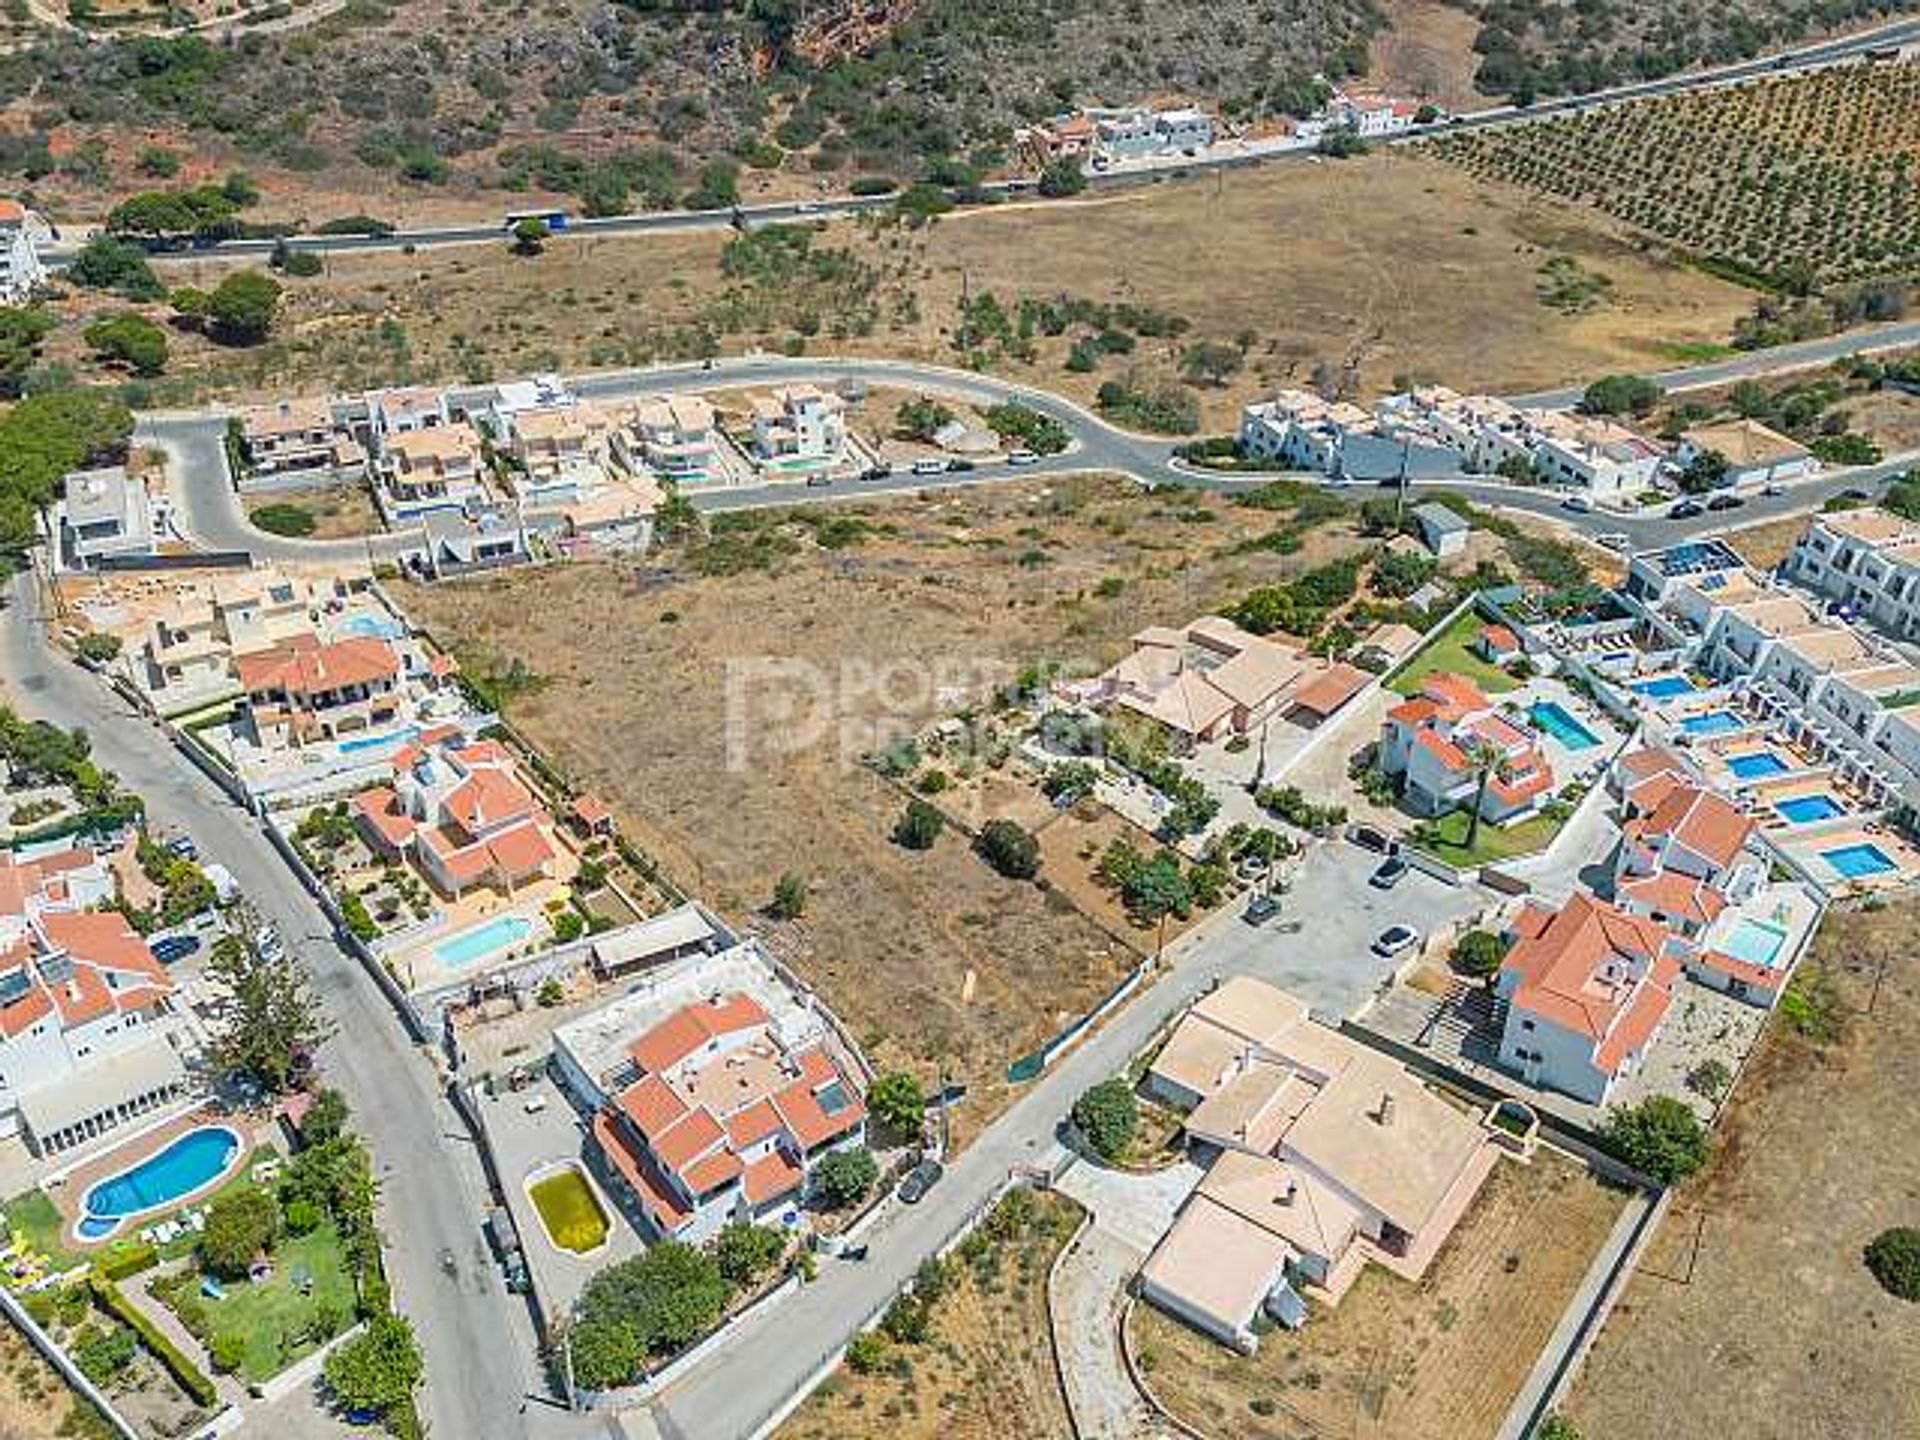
(1756, 765)
(470, 945)
(1663, 687)
(1755, 942)
(190, 1162)
(1857, 862)
(372, 627)
(1809, 809)
(389, 740)
(1554, 719)
(1712, 722)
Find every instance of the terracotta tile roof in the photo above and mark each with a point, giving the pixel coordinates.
(1705, 822)
(1646, 763)
(486, 798)
(1332, 688)
(519, 852)
(1450, 755)
(753, 1124)
(311, 669)
(663, 1207)
(652, 1106)
(103, 939)
(590, 810)
(380, 809)
(1633, 1029)
(770, 1177)
(1559, 963)
(809, 1124)
(1499, 639)
(685, 1141)
(1671, 893)
(1413, 712)
(688, 1029)
(711, 1171)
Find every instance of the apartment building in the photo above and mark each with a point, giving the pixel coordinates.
(1302, 431)
(1440, 743)
(1483, 431)
(84, 1007)
(799, 423)
(713, 1091)
(294, 435)
(1867, 560)
(304, 691)
(1592, 454)
(21, 269)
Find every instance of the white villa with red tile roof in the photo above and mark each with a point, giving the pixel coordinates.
(1429, 740)
(1586, 989)
(303, 689)
(83, 1044)
(459, 811)
(719, 1108)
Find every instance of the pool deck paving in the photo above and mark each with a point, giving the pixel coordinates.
(68, 1186)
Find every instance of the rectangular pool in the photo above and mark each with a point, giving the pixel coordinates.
(1553, 718)
(1712, 722)
(483, 940)
(1857, 862)
(1809, 809)
(1756, 765)
(1754, 942)
(1663, 687)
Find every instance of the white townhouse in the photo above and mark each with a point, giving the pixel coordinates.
(799, 423)
(21, 268)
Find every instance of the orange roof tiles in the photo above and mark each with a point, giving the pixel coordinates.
(1332, 688)
(486, 798)
(1499, 639)
(689, 1029)
(663, 1207)
(1671, 893)
(1560, 963)
(652, 1106)
(770, 1177)
(313, 669)
(1706, 823)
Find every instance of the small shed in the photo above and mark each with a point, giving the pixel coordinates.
(1444, 530)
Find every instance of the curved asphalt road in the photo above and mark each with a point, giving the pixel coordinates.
(215, 516)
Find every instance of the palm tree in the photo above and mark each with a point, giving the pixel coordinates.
(1486, 761)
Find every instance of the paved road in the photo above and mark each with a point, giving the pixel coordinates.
(1799, 60)
(476, 1336)
(213, 513)
(1328, 964)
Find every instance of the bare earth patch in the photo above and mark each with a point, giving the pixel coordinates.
(1752, 1313)
(1411, 1362)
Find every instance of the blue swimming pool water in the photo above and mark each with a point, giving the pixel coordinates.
(1756, 765)
(1856, 862)
(389, 740)
(1712, 722)
(1553, 718)
(470, 945)
(373, 627)
(1755, 942)
(164, 1178)
(1809, 809)
(1663, 687)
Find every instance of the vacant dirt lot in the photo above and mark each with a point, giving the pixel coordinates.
(986, 1374)
(1443, 1358)
(1774, 1329)
(35, 1401)
(1374, 269)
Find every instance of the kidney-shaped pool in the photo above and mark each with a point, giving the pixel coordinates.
(188, 1163)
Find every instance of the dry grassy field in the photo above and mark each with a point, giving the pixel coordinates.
(35, 1403)
(1370, 271)
(1396, 1361)
(929, 955)
(986, 1374)
(1752, 1313)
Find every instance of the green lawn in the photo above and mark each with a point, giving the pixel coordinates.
(274, 1320)
(1494, 842)
(1447, 650)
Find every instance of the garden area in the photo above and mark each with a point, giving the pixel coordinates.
(1446, 838)
(331, 513)
(1447, 651)
(255, 1328)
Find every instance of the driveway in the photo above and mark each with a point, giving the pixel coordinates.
(1087, 1295)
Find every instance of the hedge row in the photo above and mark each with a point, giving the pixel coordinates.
(123, 1263)
(107, 1295)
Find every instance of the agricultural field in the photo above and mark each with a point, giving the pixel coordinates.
(1797, 180)
(1401, 1361)
(1411, 269)
(984, 1371)
(1752, 1312)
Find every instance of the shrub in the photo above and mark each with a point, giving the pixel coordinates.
(1009, 849)
(1620, 395)
(1660, 1136)
(919, 826)
(745, 1252)
(867, 1352)
(1893, 1257)
(97, 646)
(103, 1352)
(1710, 1078)
(190, 1377)
(284, 518)
(897, 1102)
(1477, 954)
(844, 1177)
(789, 897)
(130, 340)
(226, 1352)
(131, 1261)
(1108, 1116)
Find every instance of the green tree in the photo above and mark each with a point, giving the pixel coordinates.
(898, 1103)
(44, 438)
(867, 1352)
(379, 1368)
(1107, 1115)
(529, 235)
(1893, 1258)
(157, 162)
(1062, 177)
(919, 825)
(326, 1117)
(789, 896)
(107, 262)
(98, 647)
(1477, 954)
(1557, 1427)
(1660, 1136)
(22, 330)
(843, 1177)
(667, 1297)
(240, 1226)
(1210, 362)
(1620, 395)
(1485, 761)
(1008, 848)
(746, 1252)
(921, 418)
(1156, 889)
(1705, 471)
(242, 307)
(273, 1017)
(131, 340)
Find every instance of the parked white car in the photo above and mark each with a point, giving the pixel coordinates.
(1396, 940)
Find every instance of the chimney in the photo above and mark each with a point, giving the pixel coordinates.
(1385, 1113)
(1293, 1188)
